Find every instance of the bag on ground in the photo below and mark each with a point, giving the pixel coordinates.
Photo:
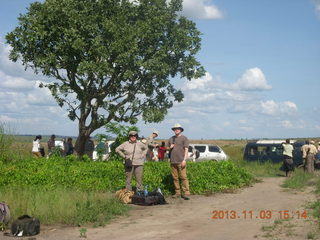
(153, 198)
(124, 195)
(25, 226)
(4, 213)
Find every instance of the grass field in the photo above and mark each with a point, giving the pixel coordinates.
(73, 207)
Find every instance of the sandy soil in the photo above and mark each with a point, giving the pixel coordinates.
(192, 219)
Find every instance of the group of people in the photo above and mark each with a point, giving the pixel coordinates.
(135, 152)
(309, 153)
(64, 148)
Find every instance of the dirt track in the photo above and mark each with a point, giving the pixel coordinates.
(192, 219)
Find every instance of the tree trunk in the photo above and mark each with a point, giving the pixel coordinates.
(80, 143)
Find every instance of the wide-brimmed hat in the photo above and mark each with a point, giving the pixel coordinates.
(132, 133)
(156, 132)
(177, 125)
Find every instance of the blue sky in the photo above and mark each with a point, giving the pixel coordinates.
(263, 67)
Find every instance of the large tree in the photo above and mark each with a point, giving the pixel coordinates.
(111, 60)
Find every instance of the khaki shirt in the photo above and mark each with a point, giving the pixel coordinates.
(150, 141)
(136, 154)
(308, 149)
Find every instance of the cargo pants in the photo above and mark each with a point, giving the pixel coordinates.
(176, 172)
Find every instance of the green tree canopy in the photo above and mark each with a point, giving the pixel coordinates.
(111, 60)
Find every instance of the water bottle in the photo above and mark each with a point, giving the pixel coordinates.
(146, 190)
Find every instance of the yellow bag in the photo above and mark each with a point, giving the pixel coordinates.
(125, 195)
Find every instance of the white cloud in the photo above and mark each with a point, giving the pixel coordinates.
(247, 129)
(271, 107)
(252, 80)
(317, 5)
(10, 82)
(201, 9)
(286, 124)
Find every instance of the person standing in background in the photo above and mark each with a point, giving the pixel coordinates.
(288, 157)
(151, 145)
(162, 151)
(36, 146)
(308, 154)
(89, 148)
(69, 148)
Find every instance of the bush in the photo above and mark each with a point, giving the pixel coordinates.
(70, 173)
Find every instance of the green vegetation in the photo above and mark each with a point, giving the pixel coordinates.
(311, 235)
(260, 169)
(117, 57)
(108, 176)
(298, 180)
(6, 140)
(62, 206)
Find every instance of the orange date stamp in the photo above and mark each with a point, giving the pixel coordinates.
(259, 215)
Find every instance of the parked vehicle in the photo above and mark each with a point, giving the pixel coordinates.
(271, 150)
(206, 152)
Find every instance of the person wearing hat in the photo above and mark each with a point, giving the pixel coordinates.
(178, 150)
(133, 152)
(308, 154)
(151, 145)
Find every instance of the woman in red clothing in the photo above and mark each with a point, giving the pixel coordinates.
(161, 151)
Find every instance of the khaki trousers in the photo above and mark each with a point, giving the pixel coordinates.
(36, 154)
(309, 164)
(176, 172)
(137, 171)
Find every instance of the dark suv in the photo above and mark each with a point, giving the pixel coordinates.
(268, 150)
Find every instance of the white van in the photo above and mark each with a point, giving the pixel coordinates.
(206, 152)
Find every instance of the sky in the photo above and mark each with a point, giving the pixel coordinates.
(262, 62)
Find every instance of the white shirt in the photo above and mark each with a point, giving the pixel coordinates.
(287, 149)
(36, 145)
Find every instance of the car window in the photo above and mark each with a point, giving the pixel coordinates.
(214, 149)
(200, 148)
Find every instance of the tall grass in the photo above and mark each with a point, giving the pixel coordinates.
(6, 140)
(298, 180)
(62, 206)
(234, 151)
(261, 169)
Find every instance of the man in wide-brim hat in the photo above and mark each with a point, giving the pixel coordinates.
(178, 146)
(133, 153)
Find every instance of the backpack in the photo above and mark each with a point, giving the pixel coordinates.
(25, 226)
(153, 198)
(4, 213)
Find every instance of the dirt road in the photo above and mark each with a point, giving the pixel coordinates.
(192, 219)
